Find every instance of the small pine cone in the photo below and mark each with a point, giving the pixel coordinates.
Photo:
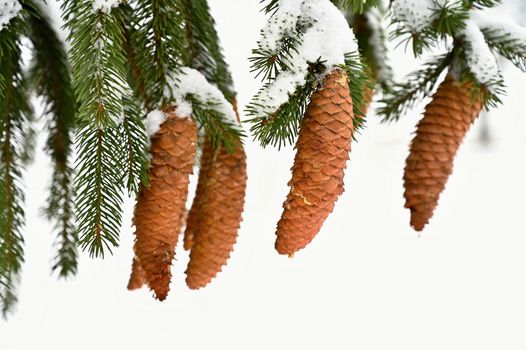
(220, 216)
(323, 149)
(446, 121)
(137, 278)
(195, 215)
(159, 208)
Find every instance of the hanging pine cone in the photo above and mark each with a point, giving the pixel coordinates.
(446, 121)
(194, 216)
(137, 278)
(323, 149)
(219, 216)
(159, 208)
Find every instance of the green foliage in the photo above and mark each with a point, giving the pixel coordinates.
(359, 80)
(506, 45)
(356, 6)
(372, 42)
(134, 146)
(449, 19)
(99, 64)
(479, 4)
(99, 187)
(282, 127)
(415, 87)
(204, 47)
(51, 80)
(15, 115)
(161, 45)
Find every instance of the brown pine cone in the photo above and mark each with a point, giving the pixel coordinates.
(195, 215)
(220, 216)
(159, 208)
(323, 149)
(137, 278)
(446, 121)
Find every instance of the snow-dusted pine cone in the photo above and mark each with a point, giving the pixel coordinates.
(446, 121)
(322, 152)
(219, 216)
(158, 212)
(195, 215)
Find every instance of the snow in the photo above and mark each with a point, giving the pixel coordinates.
(374, 19)
(9, 9)
(419, 14)
(153, 121)
(327, 38)
(190, 82)
(105, 5)
(480, 60)
(502, 26)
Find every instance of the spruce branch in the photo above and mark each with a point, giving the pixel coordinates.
(51, 80)
(508, 46)
(356, 6)
(99, 187)
(204, 46)
(416, 86)
(160, 40)
(99, 72)
(282, 127)
(15, 116)
(134, 147)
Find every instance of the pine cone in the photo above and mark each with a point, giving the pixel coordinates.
(159, 207)
(195, 215)
(323, 149)
(220, 216)
(137, 278)
(446, 121)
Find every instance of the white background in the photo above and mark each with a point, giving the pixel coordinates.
(368, 281)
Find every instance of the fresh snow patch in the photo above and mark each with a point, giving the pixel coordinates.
(9, 9)
(501, 26)
(105, 5)
(190, 82)
(153, 122)
(327, 38)
(377, 40)
(480, 60)
(420, 14)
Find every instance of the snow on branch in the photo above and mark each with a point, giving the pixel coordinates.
(420, 14)
(507, 28)
(105, 5)
(9, 9)
(187, 87)
(321, 34)
(479, 58)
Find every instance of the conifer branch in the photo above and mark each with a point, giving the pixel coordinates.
(99, 72)
(99, 187)
(356, 6)
(161, 40)
(514, 49)
(204, 47)
(403, 96)
(51, 79)
(15, 116)
(134, 146)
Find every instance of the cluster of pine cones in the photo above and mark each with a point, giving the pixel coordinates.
(323, 146)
